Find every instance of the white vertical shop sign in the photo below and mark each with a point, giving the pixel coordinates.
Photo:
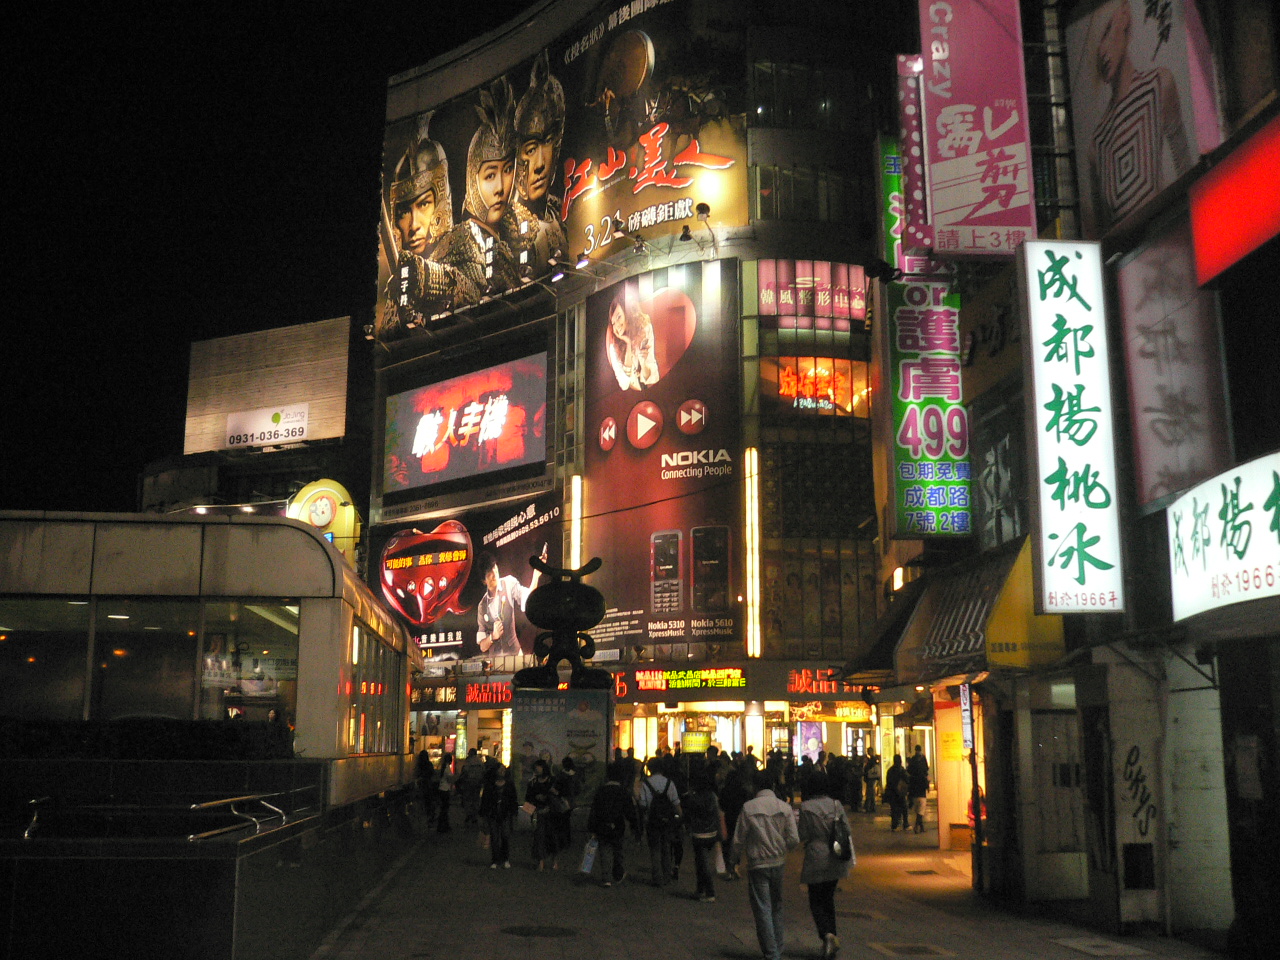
(1076, 523)
(1224, 539)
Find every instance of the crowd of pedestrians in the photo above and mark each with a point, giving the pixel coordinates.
(735, 811)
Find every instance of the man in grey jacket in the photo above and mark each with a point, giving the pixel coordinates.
(766, 830)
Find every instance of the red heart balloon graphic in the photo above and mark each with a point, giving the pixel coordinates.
(423, 573)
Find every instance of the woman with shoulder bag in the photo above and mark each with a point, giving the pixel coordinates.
(822, 870)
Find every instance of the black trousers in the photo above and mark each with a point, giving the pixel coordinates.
(822, 904)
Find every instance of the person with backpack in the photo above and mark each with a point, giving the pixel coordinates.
(823, 869)
(870, 777)
(612, 808)
(660, 807)
(706, 824)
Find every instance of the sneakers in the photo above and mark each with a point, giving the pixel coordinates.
(493, 866)
(507, 865)
(830, 946)
(608, 883)
(706, 899)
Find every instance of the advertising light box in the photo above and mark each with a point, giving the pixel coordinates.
(930, 425)
(815, 385)
(811, 295)
(477, 423)
(1075, 516)
(1224, 539)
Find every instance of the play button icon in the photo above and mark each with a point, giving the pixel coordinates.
(692, 417)
(644, 425)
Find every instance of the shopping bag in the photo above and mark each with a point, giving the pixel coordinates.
(524, 818)
(483, 840)
(720, 868)
(589, 855)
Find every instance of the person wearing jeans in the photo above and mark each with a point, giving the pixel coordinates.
(766, 830)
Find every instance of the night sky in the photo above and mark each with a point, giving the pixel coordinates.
(184, 171)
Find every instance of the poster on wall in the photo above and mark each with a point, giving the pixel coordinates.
(622, 127)
(1137, 83)
(663, 462)
(930, 424)
(459, 583)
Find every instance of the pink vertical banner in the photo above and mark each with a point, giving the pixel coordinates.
(823, 294)
(786, 288)
(840, 291)
(857, 293)
(977, 140)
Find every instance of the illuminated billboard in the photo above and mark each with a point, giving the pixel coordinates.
(477, 423)
(969, 138)
(1224, 545)
(268, 388)
(815, 385)
(1075, 492)
(621, 127)
(930, 425)
(811, 295)
(459, 583)
(663, 462)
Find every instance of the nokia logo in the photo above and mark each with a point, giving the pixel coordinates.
(688, 458)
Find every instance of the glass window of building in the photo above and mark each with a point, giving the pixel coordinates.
(249, 664)
(43, 650)
(144, 661)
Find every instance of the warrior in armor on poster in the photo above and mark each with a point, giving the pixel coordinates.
(539, 130)
(421, 209)
(479, 248)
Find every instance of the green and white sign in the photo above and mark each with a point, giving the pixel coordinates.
(930, 426)
(267, 425)
(1076, 520)
(1224, 539)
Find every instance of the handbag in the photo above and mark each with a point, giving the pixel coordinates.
(589, 855)
(841, 842)
(559, 804)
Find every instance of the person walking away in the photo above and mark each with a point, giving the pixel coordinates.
(706, 824)
(612, 808)
(538, 794)
(498, 807)
(895, 790)
(426, 772)
(470, 782)
(567, 784)
(822, 870)
(736, 792)
(444, 790)
(660, 808)
(870, 780)
(766, 831)
(918, 785)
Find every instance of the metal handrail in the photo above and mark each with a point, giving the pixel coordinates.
(230, 804)
(35, 815)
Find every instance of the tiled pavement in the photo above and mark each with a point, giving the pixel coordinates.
(905, 898)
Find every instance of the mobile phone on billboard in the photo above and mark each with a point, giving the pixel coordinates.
(710, 569)
(666, 583)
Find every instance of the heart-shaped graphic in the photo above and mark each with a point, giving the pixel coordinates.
(423, 573)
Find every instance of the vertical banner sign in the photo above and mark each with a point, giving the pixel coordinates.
(966, 715)
(1075, 516)
(1224, 539)
(930, 426)
(895, 209)
(977, 139)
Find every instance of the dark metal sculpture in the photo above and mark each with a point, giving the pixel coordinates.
(564, 607)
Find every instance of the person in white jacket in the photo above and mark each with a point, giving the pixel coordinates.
(766, 830)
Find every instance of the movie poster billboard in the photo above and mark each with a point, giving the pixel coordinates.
(663, 461)
(1132, 105)
(552, 725)
(621, 127)
(459, 583)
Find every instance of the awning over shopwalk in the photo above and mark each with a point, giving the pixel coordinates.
(873, 666)
(978, 616)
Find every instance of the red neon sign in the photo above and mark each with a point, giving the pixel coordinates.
(1235, 207)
